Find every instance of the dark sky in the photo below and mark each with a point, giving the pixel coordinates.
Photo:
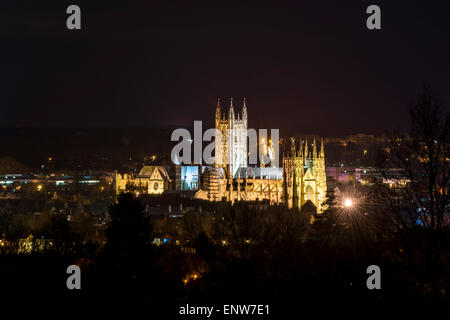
(309, 66)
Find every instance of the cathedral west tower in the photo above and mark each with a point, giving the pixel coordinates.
(305, 176)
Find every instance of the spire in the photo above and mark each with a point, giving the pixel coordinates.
(218, 109)
(322, 152)
(231, 111)
(293, 147)
(244, 111)
(314, 149)
(300, 149)
(306, 147)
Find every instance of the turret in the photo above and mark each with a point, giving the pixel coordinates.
(231, 110)
(322, 152)
(314, 149)
(293, 147)
(300, 149)
(306, 148)
(218, 110)
(244, 112)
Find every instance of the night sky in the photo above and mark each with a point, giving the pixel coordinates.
(309, 66)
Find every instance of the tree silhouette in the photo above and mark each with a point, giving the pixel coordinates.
(420, 207)
(128, 263)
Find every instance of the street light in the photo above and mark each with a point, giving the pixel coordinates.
(348, 202)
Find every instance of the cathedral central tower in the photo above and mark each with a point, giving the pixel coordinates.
(231, 148)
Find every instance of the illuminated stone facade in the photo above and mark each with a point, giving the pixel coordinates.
(302, 177)
(256, 184)
(150, 180)
(250, 184)
(231, 149)
(231, 179)
(305, 176)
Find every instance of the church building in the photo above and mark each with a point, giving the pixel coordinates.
(300, 181)
(302, 178)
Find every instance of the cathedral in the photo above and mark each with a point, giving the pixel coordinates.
(301, 181)
(302, 178)
(231, 178)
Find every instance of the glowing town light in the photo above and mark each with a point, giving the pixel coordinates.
(348, 203)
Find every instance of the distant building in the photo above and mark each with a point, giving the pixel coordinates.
(13, 185)
(343, 174)
(150, 180)
(157, 179)
(362, 138)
